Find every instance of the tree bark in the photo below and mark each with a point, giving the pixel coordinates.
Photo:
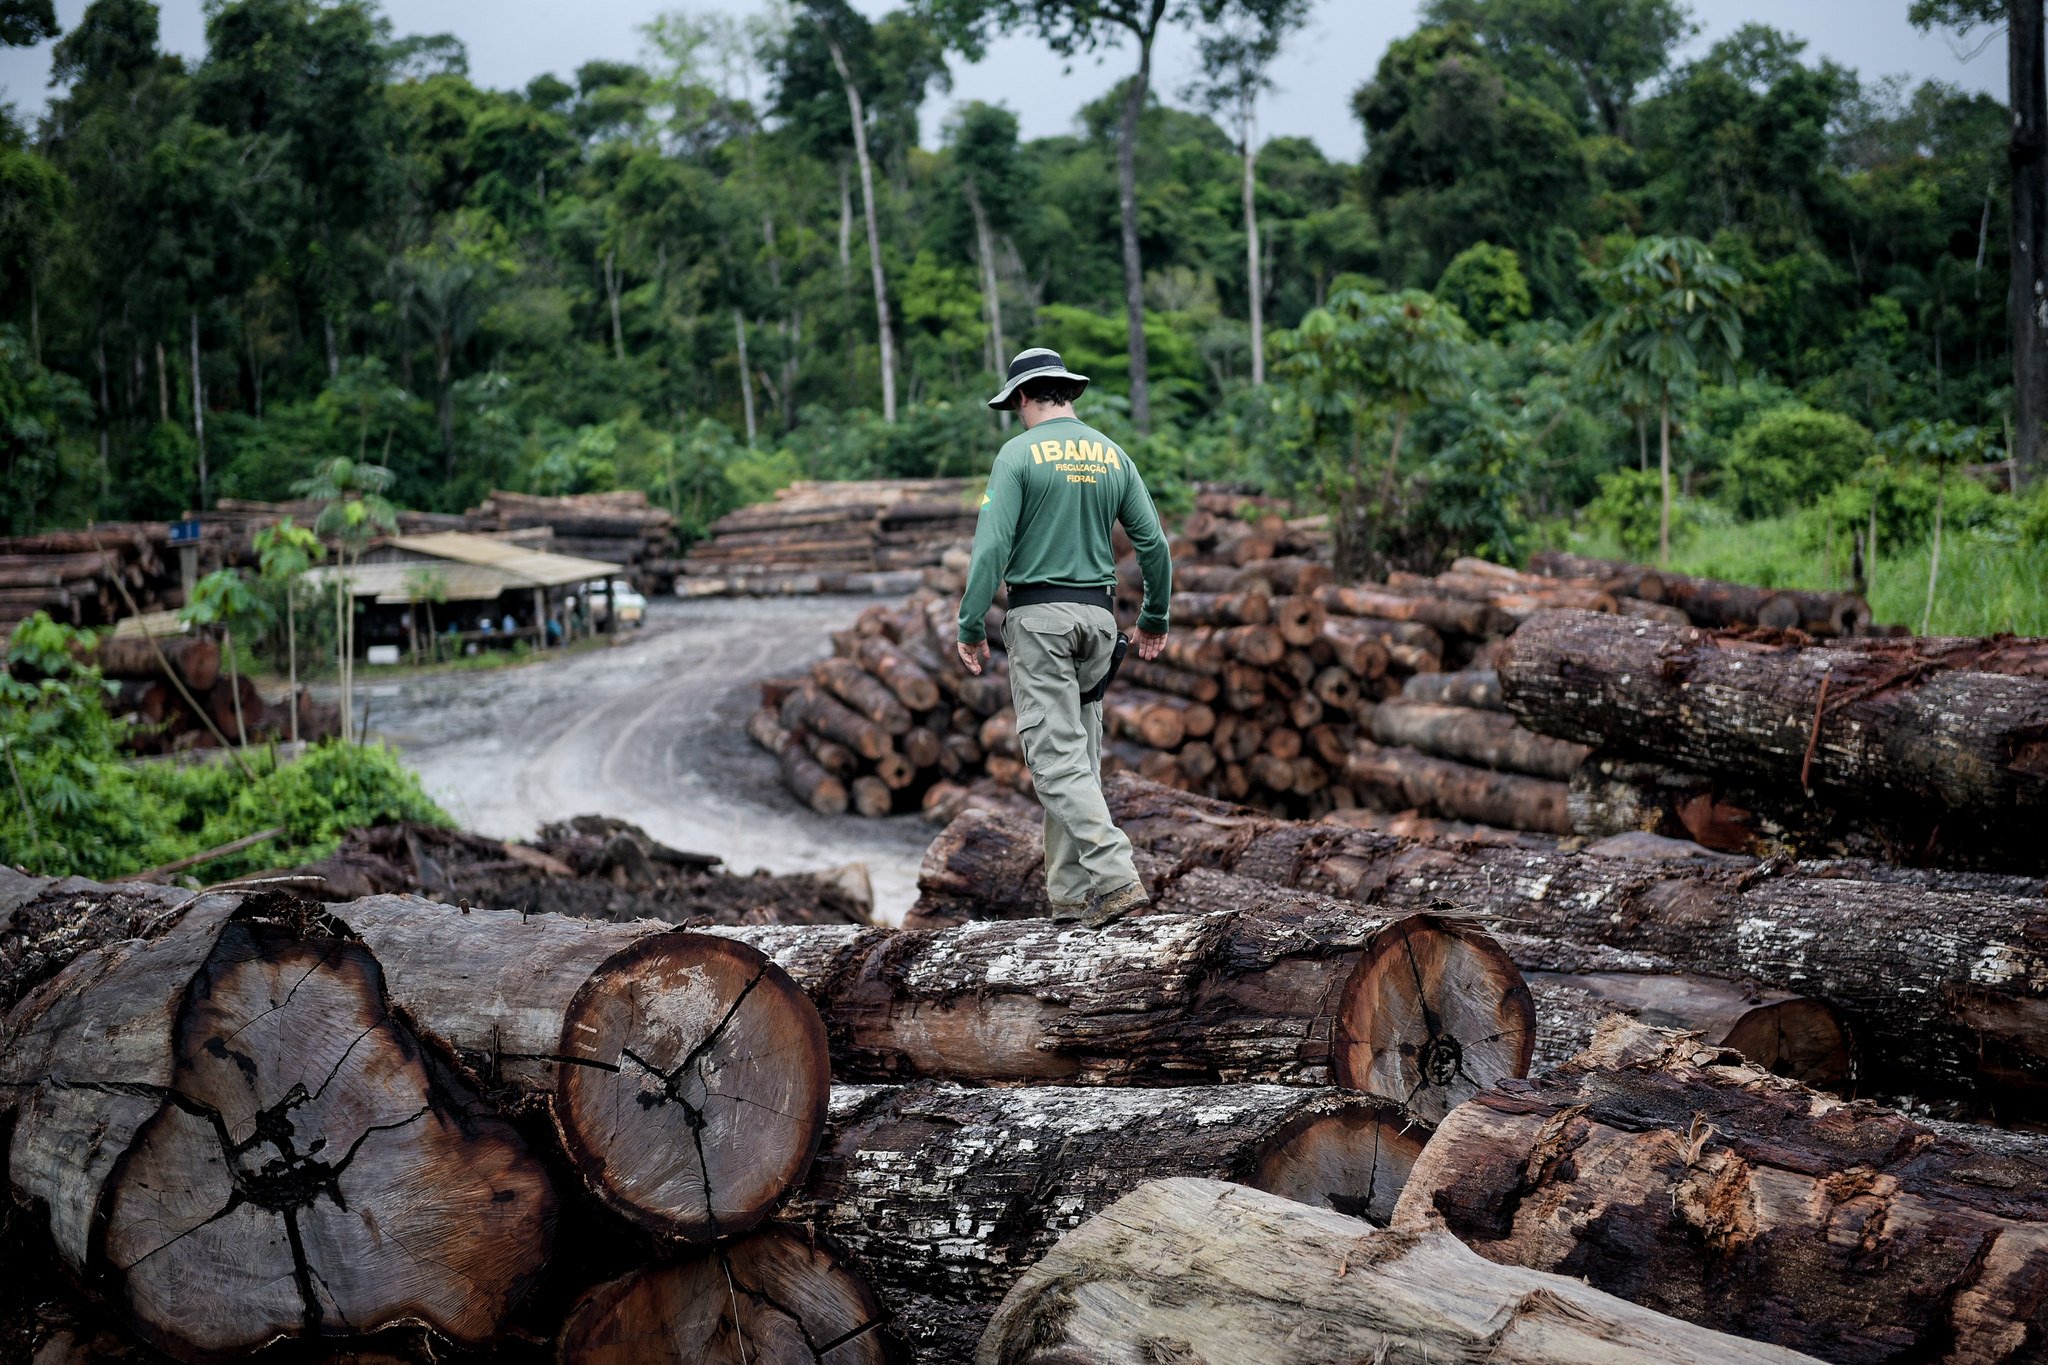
(195, 657)
(1681, 1178)
(1785, 1034)
(1478, 689)
(686, 1075)
(1712, 601)
(811, 709)
(774, 1297)
(199, 411)
(739, 331)
(947, 1193)
(1211, 1273)
(1940, 976)
(1402, 779)
(992, 299)
(864, 693)
(867, 192)
(2028, 303)
(1254, 276)
(1866, 725)
(1449, 615)
(1232, 982)
(1488, 738)
(900, 673)
(1143, 29)
(1664, 480)
(235, 1135)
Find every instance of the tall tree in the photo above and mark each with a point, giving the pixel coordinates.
(1612, 47)
(1237, 58)
(983, 141)
(2026, 45)
(24, 23)
(1669, 314)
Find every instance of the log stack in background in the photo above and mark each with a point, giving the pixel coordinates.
(871, 536)
(621, 528)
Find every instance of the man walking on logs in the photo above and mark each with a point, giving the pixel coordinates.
(1055, 496)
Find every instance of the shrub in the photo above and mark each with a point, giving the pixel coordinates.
(1789, 456)
(1626, 509)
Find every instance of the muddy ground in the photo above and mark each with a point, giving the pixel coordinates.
(651, 732)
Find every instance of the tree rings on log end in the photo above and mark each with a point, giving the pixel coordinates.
(772, 1298)
(310, 1173)
(1434, 1013)
(1800, 1038)
(695, 1087)
(1355, 1160)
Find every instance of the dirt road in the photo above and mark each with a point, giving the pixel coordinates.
(649, 732)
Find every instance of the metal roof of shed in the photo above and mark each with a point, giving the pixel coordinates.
(470, 569)
(534, 568)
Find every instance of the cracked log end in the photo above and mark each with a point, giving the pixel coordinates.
(700, 1091)
(310, 1173)
(772, 1298)
(1434, 1013)
(1355, 1161)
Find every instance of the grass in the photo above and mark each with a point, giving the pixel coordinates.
(322, 670)
(1989, 583)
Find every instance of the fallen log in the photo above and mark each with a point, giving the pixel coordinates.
(1686, 1180)
(1491, 739)
(1299, 619)
(195, 657)
(902, 675)
(1712, 602)
(1477, 688)
(810, 708)
(947, 1194)
(774, 1297)
(1403, 779)
(1231, 981)
(1208, 1273)
(1202, 687)
(863, 693)
(1220, 609)
(871, 797)
(1869, 726)
(1785, 1034)
(1446, 615)
(236, 1137)
(806, 779)
(685, 1074)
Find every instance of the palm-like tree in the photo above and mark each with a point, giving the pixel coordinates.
(283, 554)
(1670, 314)
(223, 599)
(356, 513)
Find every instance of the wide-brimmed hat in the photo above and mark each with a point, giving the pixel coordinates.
(1040, 362)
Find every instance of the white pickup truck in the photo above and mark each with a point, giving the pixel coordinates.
(632, 606)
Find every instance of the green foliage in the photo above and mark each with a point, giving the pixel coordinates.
(1484, 283)
(224, 598)
(1669, 313)
(1626, 511)
(1790, 456)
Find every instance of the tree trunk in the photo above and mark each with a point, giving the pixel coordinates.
(1448, 615)
(1679, 1177)
(444, 399)
(291, 653)
(1940, 505)
(1231, 982)
(1402, 779)
(774, 1297)
(1488, 738)
(2028, 303)
(1712, 602)
(1869, 725)
(686, 1075)
(198, 411)
(1210, 1273)
(163, 388)
(1785, 1034)
(991, 296)
(224, 1121)
(812, 710)
(867, 192)
(899, 673)
(195, 657)
(864, 693)
(1254, 277)
(1127, 213)
(739, 331)
(845, 225)
(612, 285)
(947, 1193)
(1664, 480)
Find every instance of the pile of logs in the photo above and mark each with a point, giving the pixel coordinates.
(78, 576)
(1706, 601)
(616, 528)
(177, 696)
(1906, 750)
(872, 536)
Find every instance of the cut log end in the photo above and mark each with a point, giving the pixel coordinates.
(310, 1174)
(697, 1086)
(1434, 1013)
(1355, 1161)
(772, 1298)
(1799, 1038)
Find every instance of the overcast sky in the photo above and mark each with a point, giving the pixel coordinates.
(511, 41)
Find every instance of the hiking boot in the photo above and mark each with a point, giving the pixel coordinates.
(1107, 907)
(1066, 912)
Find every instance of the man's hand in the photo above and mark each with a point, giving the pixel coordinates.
(975, 655)
(1149, 644)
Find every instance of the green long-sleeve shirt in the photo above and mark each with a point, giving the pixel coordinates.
(1054, 497)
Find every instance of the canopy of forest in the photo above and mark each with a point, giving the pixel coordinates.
(323, 238)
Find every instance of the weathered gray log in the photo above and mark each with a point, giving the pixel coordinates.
(1867, 726)
(1231, 981)
(1714, 602)
(1686, 1180)
(774, 1297)
(238, 1139)
(1208, 1273)
(1405, 779)
(946, 1194)
(686, 1074)
(1476, 688)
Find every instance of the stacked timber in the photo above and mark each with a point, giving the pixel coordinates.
(1684, 1179)
(1707, 601)
(1895, 957)
(1905, 750)
(616, 528)
(872, 536)
(236, 1118)
(89, 577)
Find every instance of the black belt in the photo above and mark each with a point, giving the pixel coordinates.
(1044, 594)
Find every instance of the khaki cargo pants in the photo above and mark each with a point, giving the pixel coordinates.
(1057, 650)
